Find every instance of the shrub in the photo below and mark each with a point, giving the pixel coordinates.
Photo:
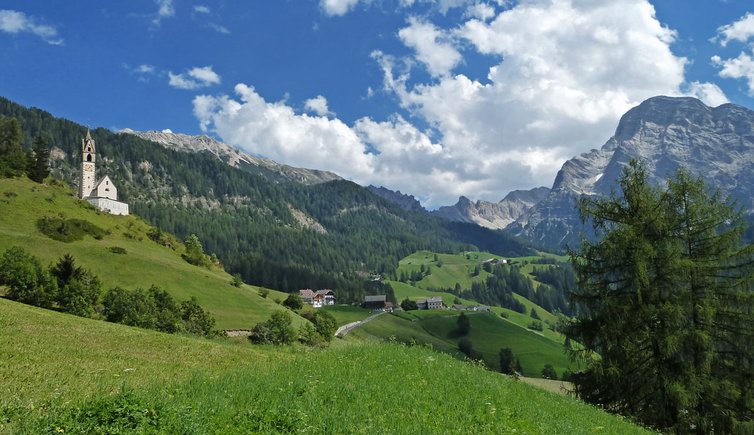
(195, 319)
(535, 326)
(236, 281)
(69, 230)
(408, 305)
(464, 324)
(548, 372)
(117, 250)
(25, 278)
(294, 302)
(276, 330)
(263, 292)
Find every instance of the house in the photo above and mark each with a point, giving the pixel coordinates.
(482, 308)
(317, 298)
(377, 303)
(459, 307)
(430, 303)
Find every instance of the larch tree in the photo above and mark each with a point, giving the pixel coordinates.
(665, 306)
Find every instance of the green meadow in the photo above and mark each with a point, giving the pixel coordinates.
(63, 374)
(145, 263)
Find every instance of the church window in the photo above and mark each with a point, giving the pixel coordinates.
(88, 157)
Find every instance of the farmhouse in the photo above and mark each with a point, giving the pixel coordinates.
(317, 298)
(430, 303)
(102, 194)
(377, 303)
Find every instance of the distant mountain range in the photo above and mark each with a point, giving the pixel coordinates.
(233, 156)
(666, 133)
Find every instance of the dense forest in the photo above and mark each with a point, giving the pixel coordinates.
(248, 217)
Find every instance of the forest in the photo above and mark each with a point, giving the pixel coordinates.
(244, 216)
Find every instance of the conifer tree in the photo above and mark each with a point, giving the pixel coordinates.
(666, 301)
(38, 164)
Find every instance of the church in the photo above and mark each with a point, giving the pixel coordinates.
(101, 193)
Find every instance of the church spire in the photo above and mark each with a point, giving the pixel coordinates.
(88, 135)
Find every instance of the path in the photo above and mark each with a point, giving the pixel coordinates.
(345, 329)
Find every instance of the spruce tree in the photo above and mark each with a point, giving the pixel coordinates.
(38, 164)
(664, 301)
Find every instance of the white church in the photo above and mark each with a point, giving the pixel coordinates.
(102, 194)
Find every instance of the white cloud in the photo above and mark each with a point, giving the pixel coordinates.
(741, 67)
(481, 11)
(337, 7)
(709, 93)
(18, 22)
(566, 72)
(167, 130)
(317, 105)
(195, 78)
(563, 73)
(740, 30)
(165, 9)
(202, 9)
(433, 47)
(219, 28)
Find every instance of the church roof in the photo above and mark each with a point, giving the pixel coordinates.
(88, 135)
(102, 180)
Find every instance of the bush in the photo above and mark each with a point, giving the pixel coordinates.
(467, 347)
(117, 250)
(276, 330)
(236, 281)
(195, 319)
(294, 302)
(548, 372)
(535, 326)
(69, 230)
(408, 305)
(263, 292)
(25, 278)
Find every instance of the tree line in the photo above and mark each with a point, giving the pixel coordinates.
(72, 289)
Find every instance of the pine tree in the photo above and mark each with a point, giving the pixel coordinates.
(12, 157)
(38, 164)
(665, 305)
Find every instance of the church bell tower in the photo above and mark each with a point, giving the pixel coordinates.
(87, 179)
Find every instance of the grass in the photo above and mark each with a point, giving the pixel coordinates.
(145, 263)
(105, 378)
(346, 313)
(489, 333)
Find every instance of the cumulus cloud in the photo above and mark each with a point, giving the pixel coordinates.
(433, 47)
(18, 22)
(742, 66)
(317, 105)
(740, 30)
(561, 74)
(201, 9)
(195, 78)
(337, 7)
(709, 93)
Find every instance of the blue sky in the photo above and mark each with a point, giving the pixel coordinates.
(436, 98)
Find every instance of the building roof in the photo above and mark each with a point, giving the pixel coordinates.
(325, 292)
(375, 298)
(102, 180)
(434, 299)
(306, 293)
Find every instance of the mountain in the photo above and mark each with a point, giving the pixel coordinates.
(234, 157)
(494, 215)
(665, 133)
(274, 232)
(406, 202)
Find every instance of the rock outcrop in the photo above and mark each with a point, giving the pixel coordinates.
(234, 157)
(494, 215)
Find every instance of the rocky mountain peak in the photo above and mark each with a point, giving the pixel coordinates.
(233, 156)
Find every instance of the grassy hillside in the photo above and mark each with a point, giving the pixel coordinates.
(107, 378)
(489, 333)
(146, 263)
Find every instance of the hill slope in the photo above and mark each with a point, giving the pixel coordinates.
(23, 203)
(274, 232)
(102, 377)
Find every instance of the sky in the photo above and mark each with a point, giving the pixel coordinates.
(435, 98)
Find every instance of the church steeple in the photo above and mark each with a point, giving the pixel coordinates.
(88, 157)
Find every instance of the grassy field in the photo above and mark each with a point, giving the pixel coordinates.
(62, 374)
(489, 333)
(145, 263)
(347, 313)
